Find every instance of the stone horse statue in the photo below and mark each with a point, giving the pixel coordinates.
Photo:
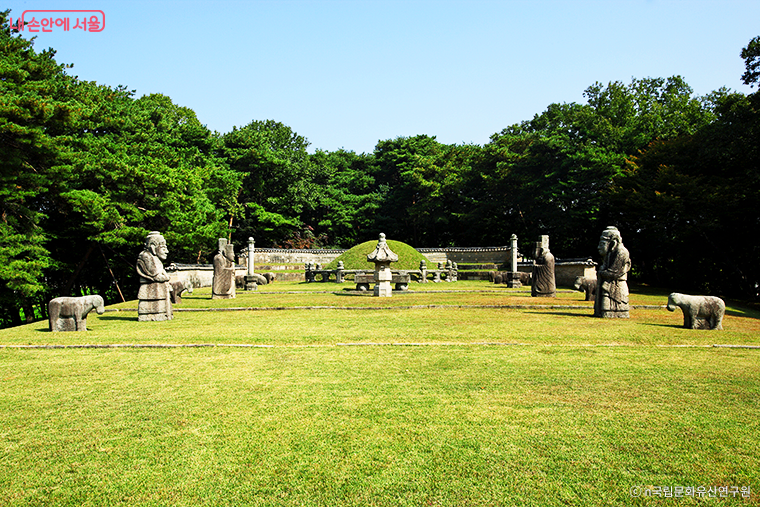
(70, 313)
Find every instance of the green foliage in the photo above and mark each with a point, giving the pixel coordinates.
(35, 112)
(86, 168)
(693, 201)
(751, 56)
(346, 200)
(551, 174)
(278, 179)
(420, 181)
(356, 257)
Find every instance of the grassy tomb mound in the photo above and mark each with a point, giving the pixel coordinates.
(356, 257)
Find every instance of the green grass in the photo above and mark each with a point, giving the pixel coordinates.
(356, 257)
(583, 411)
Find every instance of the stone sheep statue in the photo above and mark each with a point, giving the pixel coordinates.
(587, 285)
(178, 288)
(699, 312)
(70, 313)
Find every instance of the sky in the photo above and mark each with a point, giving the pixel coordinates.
(346, 74)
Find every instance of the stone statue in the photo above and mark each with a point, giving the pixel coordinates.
(543, 271)
(155, 291)
(178, 288)
(223, 285)
(612, 276)
(699, 312)
(70, 313)
(587, 285)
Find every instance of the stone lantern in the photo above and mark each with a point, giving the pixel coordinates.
(382, 257)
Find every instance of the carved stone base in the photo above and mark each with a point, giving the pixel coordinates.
(383, 289)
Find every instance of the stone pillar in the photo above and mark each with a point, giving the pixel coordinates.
(339, 273)
(382, 257)
(513, 278)
(423, 271)
(250, 280)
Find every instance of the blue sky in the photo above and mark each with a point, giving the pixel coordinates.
(348, 73)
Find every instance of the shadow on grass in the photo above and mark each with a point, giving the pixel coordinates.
(564, 314)
(118, 317)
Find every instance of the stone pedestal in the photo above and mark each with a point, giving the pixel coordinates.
(383, 277)
(513, 280)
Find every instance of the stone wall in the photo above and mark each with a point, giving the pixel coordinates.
(475, 255)
(292, 256)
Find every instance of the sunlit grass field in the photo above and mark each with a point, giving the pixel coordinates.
(432, 397)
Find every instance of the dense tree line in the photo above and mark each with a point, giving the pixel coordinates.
(86, 170)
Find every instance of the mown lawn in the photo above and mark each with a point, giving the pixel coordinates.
(472, 406)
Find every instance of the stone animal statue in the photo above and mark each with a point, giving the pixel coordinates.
(270, 277)
(699, 312)
(178, 288)
(503, 277)
(70, 313)
(587, 285)
(257, 277)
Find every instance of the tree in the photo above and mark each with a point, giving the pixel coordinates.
(132, 166)
(34, 112)
(278, 179)
(420, 180)
(751, 56)
(556, 169)
(693, 202)
(347, 201)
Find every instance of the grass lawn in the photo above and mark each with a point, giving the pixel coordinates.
(481, 401)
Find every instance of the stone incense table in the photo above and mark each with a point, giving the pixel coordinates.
(382, 257)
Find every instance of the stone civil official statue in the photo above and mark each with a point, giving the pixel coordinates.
(223, 285)
(612, 276)
(155, 291)
(543, 273)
